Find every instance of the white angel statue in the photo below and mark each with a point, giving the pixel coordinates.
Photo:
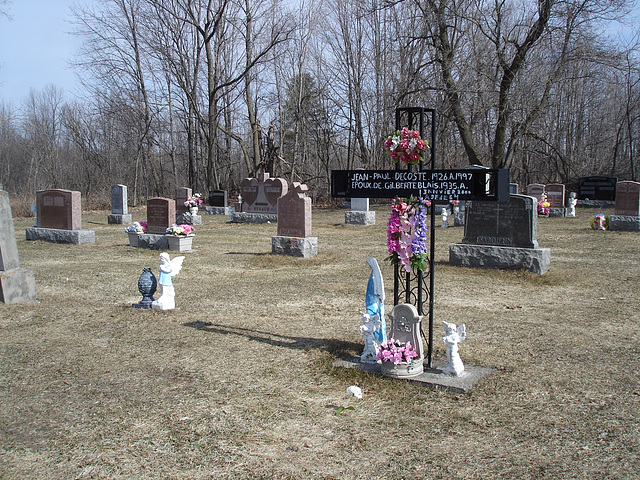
(452, 337)
(168, 269)
(370, 325)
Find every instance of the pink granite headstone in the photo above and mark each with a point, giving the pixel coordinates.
(627, 199)
(294, 212)
(555, 195)
(260, 195)
(182, 194)
(59, 209)
(161, 214)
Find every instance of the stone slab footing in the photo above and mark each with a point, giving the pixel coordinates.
(624, 223)
(117, 219)
(295, 246)
(243, 217)
(152, 241)
(557, 212)
(431, 377)
(17, 285)
(535, 260)
(188, 219)
(355, 217)
(216, 210)
(55, 235)
(596, 203)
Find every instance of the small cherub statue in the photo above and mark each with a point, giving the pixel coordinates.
(371, 344)
(452, 337)
(573, 201)
(168, 269)
(445, 217)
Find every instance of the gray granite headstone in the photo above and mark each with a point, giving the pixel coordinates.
(360, 204)
(16, 284)
(513, 189)
(505, 224)
(119, 205)
(536, 190)
(360, 213)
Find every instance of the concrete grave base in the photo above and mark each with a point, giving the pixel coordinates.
(217, 210)
(152, 241)
(557, 212)
(586, 203)
(624, 223)
(354, 217)
(55, 235)
(535, 260)
(243, 217)
(295, 246)
(188, 219)
(432, 377)
(17, 285)
(114, 218)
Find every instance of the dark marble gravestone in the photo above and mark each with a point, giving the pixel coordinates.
(501, 235)
(506, 224)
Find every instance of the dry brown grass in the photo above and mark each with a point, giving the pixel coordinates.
(239, 382)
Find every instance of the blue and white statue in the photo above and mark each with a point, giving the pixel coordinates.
(168, 269)
(373, 328)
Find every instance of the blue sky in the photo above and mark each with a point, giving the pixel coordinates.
(35, 47)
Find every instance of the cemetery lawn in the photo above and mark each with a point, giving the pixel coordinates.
(240, 382)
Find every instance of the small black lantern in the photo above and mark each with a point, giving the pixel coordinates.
(147, 285)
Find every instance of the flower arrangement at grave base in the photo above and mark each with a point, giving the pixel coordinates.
(182, 230)
(407, 234)
(543, 207)
(599, 222)
(180, 237)
(395, 352)
(194, 201)
(399, 360)
(406, 146)
(136, 227)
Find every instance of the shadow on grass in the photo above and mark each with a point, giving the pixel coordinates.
(337, 348)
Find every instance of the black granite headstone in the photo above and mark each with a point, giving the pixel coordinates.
(597, 188)
(502, 224)
(218, 198)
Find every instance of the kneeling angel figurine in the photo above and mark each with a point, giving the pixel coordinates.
(452, 337)
(168, 269)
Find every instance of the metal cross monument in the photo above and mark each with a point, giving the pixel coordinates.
(438, 186)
